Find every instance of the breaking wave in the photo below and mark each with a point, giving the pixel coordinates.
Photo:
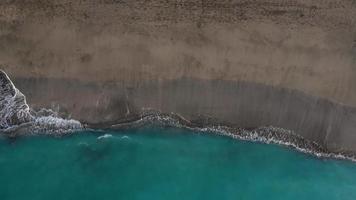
(48, 125)
(267, 135)
(16, 117)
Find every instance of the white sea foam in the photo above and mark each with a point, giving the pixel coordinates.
(105, 136)
(13, 107)
(55, 125)
(44, 125)
(15, 114)
(83, 144)
(125, 137)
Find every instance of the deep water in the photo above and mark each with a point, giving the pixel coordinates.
(165, 163)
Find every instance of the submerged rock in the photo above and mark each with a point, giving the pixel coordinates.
(13, 107)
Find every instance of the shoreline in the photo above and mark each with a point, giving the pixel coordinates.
(265, 135)
(205, 102)
(50, 122)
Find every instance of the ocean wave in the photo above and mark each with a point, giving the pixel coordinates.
(47, 125)
(108, 136)
(13, 107)
(125, 137)
(55, 125)
(105, 136)
(267, 135)
(17, 118)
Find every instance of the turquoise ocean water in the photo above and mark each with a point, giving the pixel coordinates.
(165, 163)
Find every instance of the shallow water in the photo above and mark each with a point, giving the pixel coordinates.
(165, 163)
